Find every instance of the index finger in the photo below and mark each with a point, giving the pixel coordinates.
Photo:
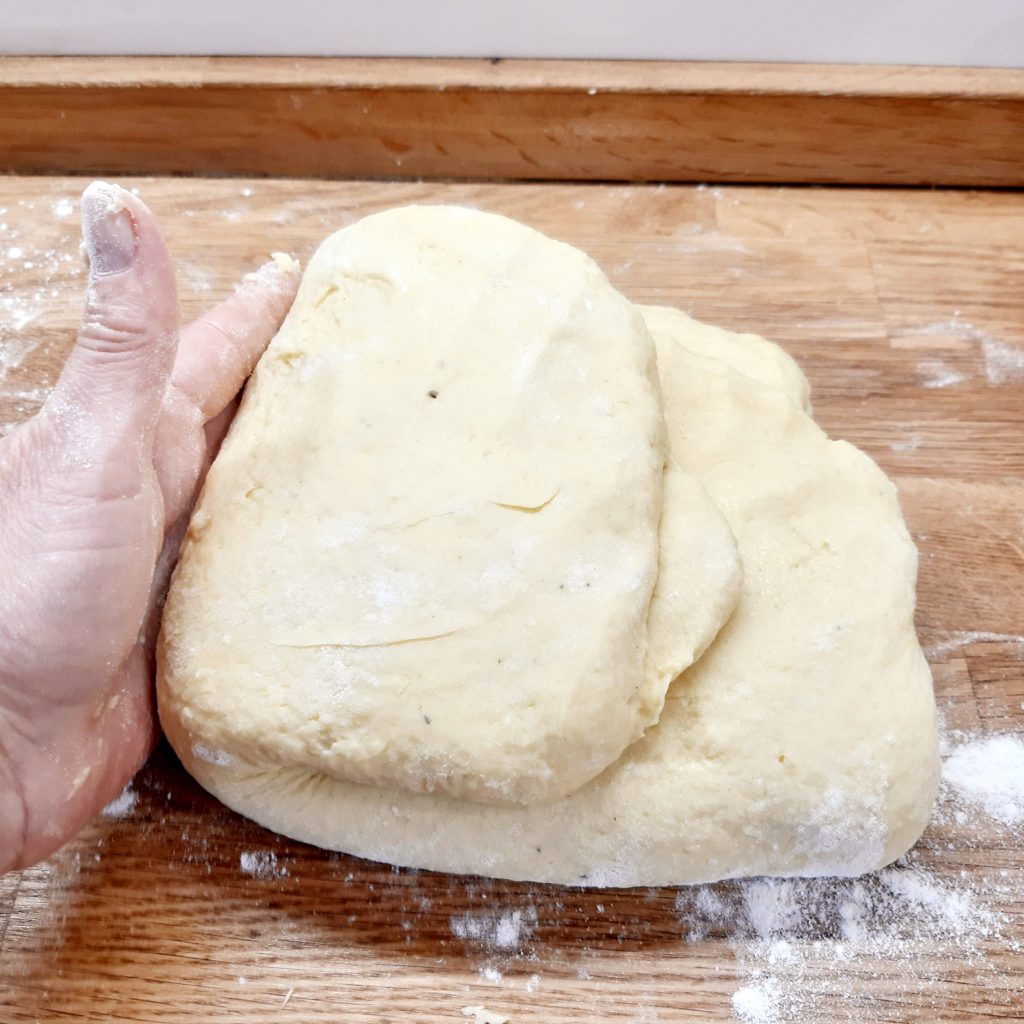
(218, 351)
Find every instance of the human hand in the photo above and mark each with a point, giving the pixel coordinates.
(95, 493)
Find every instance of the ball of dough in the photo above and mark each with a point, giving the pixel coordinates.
(426, 554)
(802, 743)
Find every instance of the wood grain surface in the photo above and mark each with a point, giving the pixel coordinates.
(543, 120)
(906, 309)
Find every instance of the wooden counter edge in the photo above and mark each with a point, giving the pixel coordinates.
(513, 119)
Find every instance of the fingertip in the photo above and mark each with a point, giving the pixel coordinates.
(120, 233)
(286, 263)
(280, 274)
(219, 349)
(107, 195)
(118, 370)
(267, 292)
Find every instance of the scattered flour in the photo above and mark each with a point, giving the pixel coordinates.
(967, 637)
(878, 912)
(12, 353)
(261, 864)
(770, 909)
(1002, 362)
(757, 1003)
(934, 373)
(911, 444)
(218, 757)
(196, 277)
(799, 942)
(481, 1015)
(988, 772)
(955, 327)
(122, 805)
(497, 937)
(700, 241)
(498, 930)
(33, 280)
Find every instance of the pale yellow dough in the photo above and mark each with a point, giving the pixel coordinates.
(426, 554)
(751, 356)
(802, 743)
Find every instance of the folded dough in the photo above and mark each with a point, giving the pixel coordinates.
(802, 743)
(426, 554)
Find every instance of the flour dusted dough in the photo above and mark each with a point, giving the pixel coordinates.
(802, 743)
(426, 554)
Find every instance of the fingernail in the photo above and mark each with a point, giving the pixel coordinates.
(107, 230)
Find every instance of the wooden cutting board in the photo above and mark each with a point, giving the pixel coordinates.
(906, 309)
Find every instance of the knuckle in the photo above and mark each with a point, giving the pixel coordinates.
(113, 331)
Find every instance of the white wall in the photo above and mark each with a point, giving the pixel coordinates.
(969, 32)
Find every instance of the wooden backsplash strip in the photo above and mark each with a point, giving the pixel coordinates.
(533, 120)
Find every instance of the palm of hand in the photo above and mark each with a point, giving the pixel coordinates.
(94, 494)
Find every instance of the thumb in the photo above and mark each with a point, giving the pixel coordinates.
(114, 380)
